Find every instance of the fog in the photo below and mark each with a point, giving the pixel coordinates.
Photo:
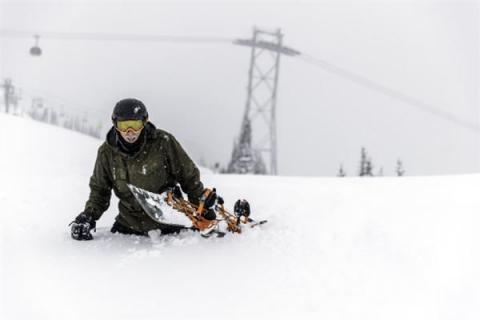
(427, 50)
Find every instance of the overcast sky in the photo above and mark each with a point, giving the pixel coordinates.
(428, 50)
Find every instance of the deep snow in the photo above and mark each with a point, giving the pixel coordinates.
(350, 248)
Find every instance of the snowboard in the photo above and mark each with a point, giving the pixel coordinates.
(169, 209)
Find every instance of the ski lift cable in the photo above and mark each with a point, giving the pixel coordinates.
(114, 37)
(375, 86)
(327, 66)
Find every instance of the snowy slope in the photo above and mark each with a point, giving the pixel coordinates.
(351, 248)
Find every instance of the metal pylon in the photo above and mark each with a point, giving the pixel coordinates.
(258, 134)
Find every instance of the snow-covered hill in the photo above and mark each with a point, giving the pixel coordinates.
(351, 248)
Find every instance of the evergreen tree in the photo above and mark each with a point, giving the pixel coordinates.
(44, 117)
(369, 168)
(363, 162)
(53, 117)
(380, 172)
(399, 169)
(366, 164)
(77, 126)
(341, 173)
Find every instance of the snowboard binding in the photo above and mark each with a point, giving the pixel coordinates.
(211, 211)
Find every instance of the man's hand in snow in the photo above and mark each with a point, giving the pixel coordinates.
(82, 226)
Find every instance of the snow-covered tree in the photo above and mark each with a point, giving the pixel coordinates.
(366, 164)
(380, 172)
(399, 169)
(341, 173)
(363, 162)
(369, 168)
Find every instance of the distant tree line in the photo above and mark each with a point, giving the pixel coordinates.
(366, 167)
(38, 111)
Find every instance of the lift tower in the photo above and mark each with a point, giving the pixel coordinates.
(258, 136)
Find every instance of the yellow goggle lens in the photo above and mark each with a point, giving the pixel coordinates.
(129, 124)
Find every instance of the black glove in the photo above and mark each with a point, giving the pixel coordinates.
(82, 225)
(242, 208)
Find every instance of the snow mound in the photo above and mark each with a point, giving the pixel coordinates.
(350, 248)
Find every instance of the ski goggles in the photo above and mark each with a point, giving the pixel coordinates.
(124, 125)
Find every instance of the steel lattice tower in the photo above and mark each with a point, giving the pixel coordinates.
(258, 133)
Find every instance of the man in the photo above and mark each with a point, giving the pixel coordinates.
(135, 152)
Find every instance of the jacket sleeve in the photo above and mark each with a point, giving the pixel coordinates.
(100, 187)
(184, 170)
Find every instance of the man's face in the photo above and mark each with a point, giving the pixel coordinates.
(130, 136)
(130, 130)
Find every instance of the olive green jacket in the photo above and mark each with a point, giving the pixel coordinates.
(160, 163)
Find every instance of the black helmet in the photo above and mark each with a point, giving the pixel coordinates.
(129, 109)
